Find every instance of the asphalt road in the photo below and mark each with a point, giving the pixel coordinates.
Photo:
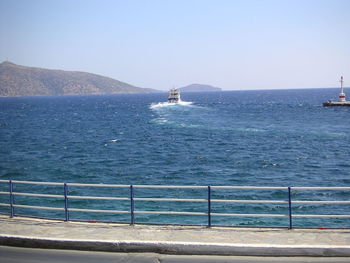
(35, 255)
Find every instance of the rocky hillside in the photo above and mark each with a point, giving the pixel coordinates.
(16, 80)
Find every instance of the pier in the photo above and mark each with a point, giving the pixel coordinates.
(336, 103)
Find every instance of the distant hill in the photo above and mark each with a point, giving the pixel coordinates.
(198, 88)
(16, 80)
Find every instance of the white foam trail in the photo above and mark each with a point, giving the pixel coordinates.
(167, 104)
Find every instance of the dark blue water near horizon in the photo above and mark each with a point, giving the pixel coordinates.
(257, 138)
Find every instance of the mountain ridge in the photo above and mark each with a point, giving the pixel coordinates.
(17, 80)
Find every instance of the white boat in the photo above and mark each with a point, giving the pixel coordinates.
(174, 96)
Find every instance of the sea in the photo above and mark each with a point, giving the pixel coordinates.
(230, 138)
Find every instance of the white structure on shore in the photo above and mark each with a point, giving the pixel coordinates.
(341, 101)
(341, 94)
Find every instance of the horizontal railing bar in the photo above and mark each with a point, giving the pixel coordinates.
(3, 204)
(321, 188)
(39, 183)
(213, 200)
(172, 186)
(249, 187)
(100, 185)
(321, 202)
(250, 201)
(39, 207)
(169, 199)
(97, 197)
(98, 211)
(177, 200)
(37, 195)
(249, 215)
(180, 186)
(323, 216)
(171, 213)
(204, 214)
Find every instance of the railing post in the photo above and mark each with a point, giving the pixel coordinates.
(290, 207)
(12, 200)
(209, 206)
(66, 212)
(132, 208)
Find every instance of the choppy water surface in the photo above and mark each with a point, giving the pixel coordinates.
(258, 138)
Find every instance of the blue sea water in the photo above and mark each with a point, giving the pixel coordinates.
(255, 138)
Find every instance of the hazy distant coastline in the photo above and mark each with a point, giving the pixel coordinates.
(199, 88)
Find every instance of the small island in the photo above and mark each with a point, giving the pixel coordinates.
(199, 88)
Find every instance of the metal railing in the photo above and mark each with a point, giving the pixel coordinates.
(287, 200)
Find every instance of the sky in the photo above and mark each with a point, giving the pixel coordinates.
(160, 44)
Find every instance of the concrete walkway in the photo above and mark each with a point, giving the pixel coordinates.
(186, 240)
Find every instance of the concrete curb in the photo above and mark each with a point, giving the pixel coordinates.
(180, 248)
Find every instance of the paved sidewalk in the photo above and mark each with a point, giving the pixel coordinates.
(184, 240)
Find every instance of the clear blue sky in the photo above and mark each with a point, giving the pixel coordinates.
(242, 44)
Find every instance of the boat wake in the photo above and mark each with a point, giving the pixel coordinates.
(167, 104)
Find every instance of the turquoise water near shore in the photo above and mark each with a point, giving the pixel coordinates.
(257, 138)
